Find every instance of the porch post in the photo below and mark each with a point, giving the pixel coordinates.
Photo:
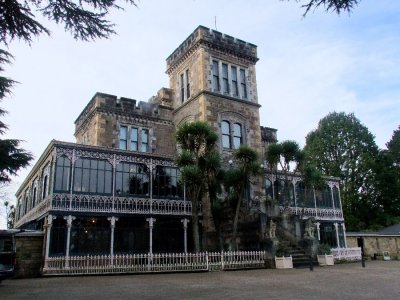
(185, 223)
(337, 234)
(50, 219)
(151, 223)
(344, 235)
(112, 225)
(318, 224)
(69, 219)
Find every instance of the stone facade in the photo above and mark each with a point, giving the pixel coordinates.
(375, 245)
(29, 250)
(100, 122)
(117, 189)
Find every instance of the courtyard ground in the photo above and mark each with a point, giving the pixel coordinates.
(378, 280)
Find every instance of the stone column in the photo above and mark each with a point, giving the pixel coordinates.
(112, 226)
(344, 235)
(185, 225)
(50, 219)
(151, 224)
(69, 225)
(318, 224)
(337, 234)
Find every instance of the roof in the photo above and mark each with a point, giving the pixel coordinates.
(393, 230)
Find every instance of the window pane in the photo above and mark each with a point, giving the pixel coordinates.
(226, 142)
(145, 140)
(237, 130)
(225, 127)
(225, 83)
(215, 72)
(243, 89)
(237, 135)
(123, 132)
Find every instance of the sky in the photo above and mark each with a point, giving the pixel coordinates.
(309, 66)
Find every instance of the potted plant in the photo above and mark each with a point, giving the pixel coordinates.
(282, 258)
(325, 258)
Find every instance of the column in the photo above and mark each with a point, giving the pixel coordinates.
(332, 197)
(71, 184)
(151, 172)
(50, 219)
(185, 225)
(69, 225)
(318, 224)
(151, 224)
(344, 234)
(112, 226)
(337, 234)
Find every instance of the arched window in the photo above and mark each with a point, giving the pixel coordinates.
(237, 135)
(226, 134)
(268, 188)
(45, 186)
(34, 193)
(336, 197)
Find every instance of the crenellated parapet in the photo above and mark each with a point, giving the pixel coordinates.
(215, 40)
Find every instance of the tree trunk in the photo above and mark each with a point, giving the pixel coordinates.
(236, 221)
(195, 221)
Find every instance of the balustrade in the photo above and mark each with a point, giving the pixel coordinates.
(162, 262)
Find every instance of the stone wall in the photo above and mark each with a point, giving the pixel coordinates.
(375, 245)
(29, 249)
(99, 123)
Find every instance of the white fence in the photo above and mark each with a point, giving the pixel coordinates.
(145, 263)
(349, 254)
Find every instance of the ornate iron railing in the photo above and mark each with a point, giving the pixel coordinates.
(347, 253)
(320, 213)
(147, 263)
(108, 204)
(35, 212)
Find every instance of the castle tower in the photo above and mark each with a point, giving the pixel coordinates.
(213, 77)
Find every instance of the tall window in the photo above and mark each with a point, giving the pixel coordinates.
(235, 90)
(33, 198)
(134, 139)
(225, 82)
(138, 139)
(123, 141)
(187, 85)
(237, 135)
(92, 176)
(243, 88)
(132, 179)
(232, 137)
(145, 140)
(182, 89)
(166, 182)
(215, 76)
(45, 186)
(63, 166)
(336, 197)
(226, 134)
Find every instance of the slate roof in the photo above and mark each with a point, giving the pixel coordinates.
(391, 230)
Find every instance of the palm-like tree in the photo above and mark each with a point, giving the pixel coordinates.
(200, 164)
(237, 181)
